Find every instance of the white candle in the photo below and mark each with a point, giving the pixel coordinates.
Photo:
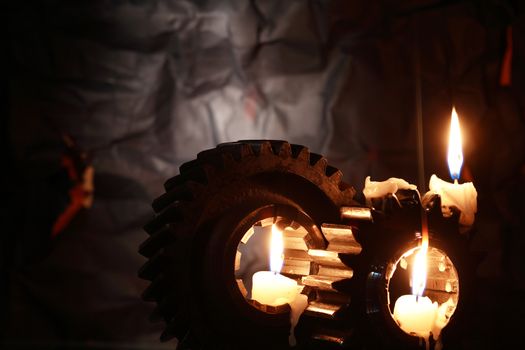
(462, 196)
(378, 189)
(272, 288)
(416, 315)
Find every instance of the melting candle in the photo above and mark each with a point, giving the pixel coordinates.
(414, 313)
(378, 189)
(462, 196)
(272, 288)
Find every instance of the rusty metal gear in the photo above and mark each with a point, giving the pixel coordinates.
(197, 220)
(342, 251)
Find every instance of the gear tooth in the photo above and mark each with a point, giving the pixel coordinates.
(336, 177)
(157, 223)
(266, 148)
(175, 193)
(188, 166)
(331, 337)
(147, 248)
(150, 269)
(166, 336)
(296, 149)
(314, 158)
(206, 153)
(330, 170)
(196, 173)
(246, 150)
(238, 150)
(160, 202)
(286, 150)
(195, 188)
(174, 212)
(304, 155)
(255, 145)
(174, 181)
(154, 289)
(228, 160)
(320, 165)
(151, 226)
(168, 308)
(157, 241)
(344, 285)
(348, 192)
(155, 315)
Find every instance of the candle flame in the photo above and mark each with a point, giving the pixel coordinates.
(276, 250)
(455, 153)
(419, 269)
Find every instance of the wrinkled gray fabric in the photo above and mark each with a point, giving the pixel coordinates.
(145, 85)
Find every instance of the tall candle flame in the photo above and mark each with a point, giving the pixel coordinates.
(455, 153)
(276, 250)
(419, 269)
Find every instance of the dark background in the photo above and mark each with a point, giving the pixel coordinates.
(143, 86)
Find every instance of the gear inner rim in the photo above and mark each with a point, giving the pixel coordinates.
(289, 220)
(442, 282)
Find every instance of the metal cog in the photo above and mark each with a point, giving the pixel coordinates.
(220, 182)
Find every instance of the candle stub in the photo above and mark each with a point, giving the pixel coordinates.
(415, 315)
(274, 289)
(462, 196)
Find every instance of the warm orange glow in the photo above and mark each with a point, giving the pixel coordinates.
(276, 250)
(455, 152)
(419, 269)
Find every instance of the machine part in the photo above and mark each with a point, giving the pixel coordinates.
(341, 251)
(356, 213)
(200, 220)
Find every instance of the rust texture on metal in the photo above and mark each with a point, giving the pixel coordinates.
(356, 213)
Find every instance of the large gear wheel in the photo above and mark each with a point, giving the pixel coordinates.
(203, 216)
